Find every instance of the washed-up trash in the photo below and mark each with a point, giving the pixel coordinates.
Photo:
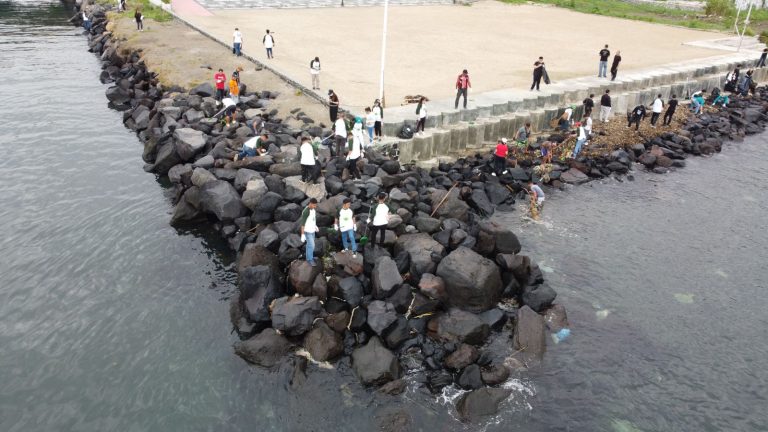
(684, 298)
(561, 335)
(602, 314)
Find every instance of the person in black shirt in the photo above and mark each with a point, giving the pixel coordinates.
(761, 62)
(589, 103)
(538, 71)
(602, 72)
(605, 106)
(638, 113)
(615, 65)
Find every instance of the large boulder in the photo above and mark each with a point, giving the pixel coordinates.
(350, 290)
(574, 176)
(475, 405)
(294, 315)
(381, 315)
(255, 190)
(539, 297)
(349, 264)
(245, 176)
(470, 378)
(220, 198)
(385, 277)
(311, 190)
(265, 349)
(472, 282)
(259, 287)
(497, 238)
(205, 90)
(323, 343)
(432, 286)
(188, 142)
(464, 356)
(201, 176)
(457, 325)
(374, 364)
(421, 248)
(530, 335)
(256, 255)
(301, 276)
(451, 207)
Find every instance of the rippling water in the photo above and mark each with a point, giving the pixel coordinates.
(112, 320)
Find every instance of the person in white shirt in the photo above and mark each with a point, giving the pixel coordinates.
(378, 114)
(307, 160)
(565, 119)
(86, 22)
(658, 105)
(587, 122)
(345, 224)
(269, 43)
(421, 111)
(340, 133)
(237, 42)
(314, 70)
(370, 124)
(380, 218)
(308, 229)
(355, 150)
(581, 139)
(228, 110)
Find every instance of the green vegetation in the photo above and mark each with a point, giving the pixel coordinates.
(149, 10)
(718, 14)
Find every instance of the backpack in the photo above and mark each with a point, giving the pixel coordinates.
(406, 132)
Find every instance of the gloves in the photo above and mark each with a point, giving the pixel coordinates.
(303, 238)
(336, 227)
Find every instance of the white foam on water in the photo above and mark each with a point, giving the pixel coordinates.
(749, 198)
(684, 298)
(602, 314)
(721, 273)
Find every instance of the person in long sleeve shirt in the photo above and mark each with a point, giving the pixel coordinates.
(380, 218)
(462, 85)
(308, 229)
(671, 107)
(605, 106)
(345, 224)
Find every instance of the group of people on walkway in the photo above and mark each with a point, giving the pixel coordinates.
(268, 40)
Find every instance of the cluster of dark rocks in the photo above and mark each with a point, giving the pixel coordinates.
(424, 303)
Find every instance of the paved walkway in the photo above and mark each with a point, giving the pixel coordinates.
(296, 4)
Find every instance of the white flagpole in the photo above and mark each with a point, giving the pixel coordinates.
(383, 53)
(744, 30)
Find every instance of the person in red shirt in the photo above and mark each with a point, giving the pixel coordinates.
(462, 84)
(500, 157)
(221, 83)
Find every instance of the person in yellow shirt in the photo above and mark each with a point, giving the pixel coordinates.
(234, 89)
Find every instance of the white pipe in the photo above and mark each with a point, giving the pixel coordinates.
(383, 52)
(744, 30)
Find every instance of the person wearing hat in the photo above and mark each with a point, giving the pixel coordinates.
(255, 146)
(500, 157)
(333, 105)
(565, 120)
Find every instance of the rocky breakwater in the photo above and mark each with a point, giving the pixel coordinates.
(446, 280)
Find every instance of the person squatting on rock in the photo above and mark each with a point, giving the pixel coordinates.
(421, 111)
(255, 146)
(615, 65)
(307, 160)
(345, 224)
(656, 108)
(538, 72)
(603, 67)
(333, 105)
(697, 101)
(589, 104)
(564, 123)
(500, 157)
(671, 107)
(605, 106)
(355, 150)
(380, 219)
(308, 229)
(462, 86)
(636, 116)
(269, 42)
(228, 111)
(221, 83)
(314, 71)
(721, 99)
(237, 42)
(521, 138)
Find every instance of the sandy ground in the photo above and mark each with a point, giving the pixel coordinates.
(180, 56)
(429, 45)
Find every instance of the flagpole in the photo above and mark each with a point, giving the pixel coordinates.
(383, 53)
(744, 30)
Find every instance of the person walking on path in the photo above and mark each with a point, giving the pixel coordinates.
(589, 104)
(378, 115)
(671, 107)
(380, 219)
(221, 84)
(308, 223)
(340, 134)
(314, 70)
(333, 105)
(308, 153)
(763, 56)
(462, 85)
(605, 106)
(500, 157)
(370, 124)
(656, 108)
(421, 111)
(636, 116)
(269, 43)
(615, 65)
(139, 20)
(355, 151)
(603, 68)
(237, 42)
(345, 224)
(538, 72)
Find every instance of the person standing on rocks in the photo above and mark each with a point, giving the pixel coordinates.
(234, 88)
(345, 224)
(355, 151)
(139, 20)
(615, 65)
(370, 124)
(587, 123)
(221, 82)
(333, 105)
(462, 86)
(565, 120)
(602, 71)
(500, 157)
(763, 56)
(636, 116)
(380, 219)
(421, 111)
(538, 72)
(237, 42)
(269, 43)
(521, 138)
(378, 114)
(308, 153)
(228, 111)
(605, 106)
(340, 133)
(255, 146)
(658, 106)
(308, 229)
(589, 104)
(314, 70)
(581, 140)
(671, 107)
(86, 22)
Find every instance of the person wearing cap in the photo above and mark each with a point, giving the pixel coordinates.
(500, 157)
(253, 147)
(333, 105)
(308, 228)
(345, 224)
(565, 120)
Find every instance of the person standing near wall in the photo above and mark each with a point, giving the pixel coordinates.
(237, 42)
(314, 70)
(763, 56)
(421, 111)
(605, 106)
(589, 104)
(671, 107)
(269, 43)
(658, 105)
(615, 65)
(333, 105)
(378, 114)
(538, 71)
(602, 71)
(462, 86)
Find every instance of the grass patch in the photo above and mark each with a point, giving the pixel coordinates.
(149, 10)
